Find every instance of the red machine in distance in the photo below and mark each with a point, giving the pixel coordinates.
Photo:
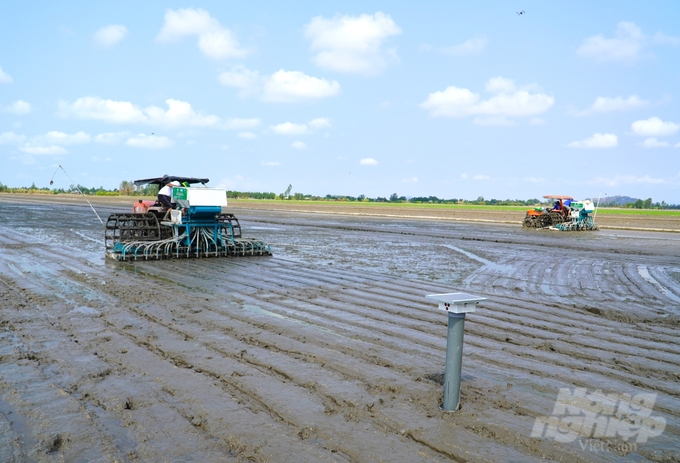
(541, 217)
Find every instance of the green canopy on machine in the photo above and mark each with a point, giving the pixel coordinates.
(164, 180)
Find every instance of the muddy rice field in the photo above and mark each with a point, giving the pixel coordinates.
(328, 351)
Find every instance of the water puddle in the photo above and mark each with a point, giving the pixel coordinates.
(481, 260)
(488, 265)
(643, 271)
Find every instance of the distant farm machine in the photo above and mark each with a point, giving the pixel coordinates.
(564, 215)
(196, 226)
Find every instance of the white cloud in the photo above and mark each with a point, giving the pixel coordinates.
(464, 176)
(110, 35)
(598, 140)
(11, 138)
(518, 104)
(270, 163)
(471, 46)
(604, 104)
(282, 86)
(110, 138)
(61, 138)
(352, 44)
(509, 101)
(453, 102)
(149, 141)
(288, 128)
(411, 180)
(625, 47)
(178, 114)
(654, 127)
(500, 85)
(299, 145)
(5, 78)
(654, 143)
(214, 40)
(18, 107)
(93, 107)
(320, 123)
(29, 148)
(246, 135)
(49, 144)
(481, 177)
(288, 86)
(678, 145)
(663, 39)
(368, 162)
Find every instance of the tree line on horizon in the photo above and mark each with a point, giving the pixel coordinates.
(128, 188)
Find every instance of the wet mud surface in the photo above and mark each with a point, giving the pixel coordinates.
(327, 351)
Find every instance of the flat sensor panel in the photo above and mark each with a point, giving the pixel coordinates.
(457, 303)
(457, 298)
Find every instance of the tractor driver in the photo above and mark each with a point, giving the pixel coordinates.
(165, 194)
(140, 208)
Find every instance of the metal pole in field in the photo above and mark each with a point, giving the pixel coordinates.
(456, 305)
(454, 361)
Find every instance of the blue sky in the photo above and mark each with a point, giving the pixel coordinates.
(453, 99)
